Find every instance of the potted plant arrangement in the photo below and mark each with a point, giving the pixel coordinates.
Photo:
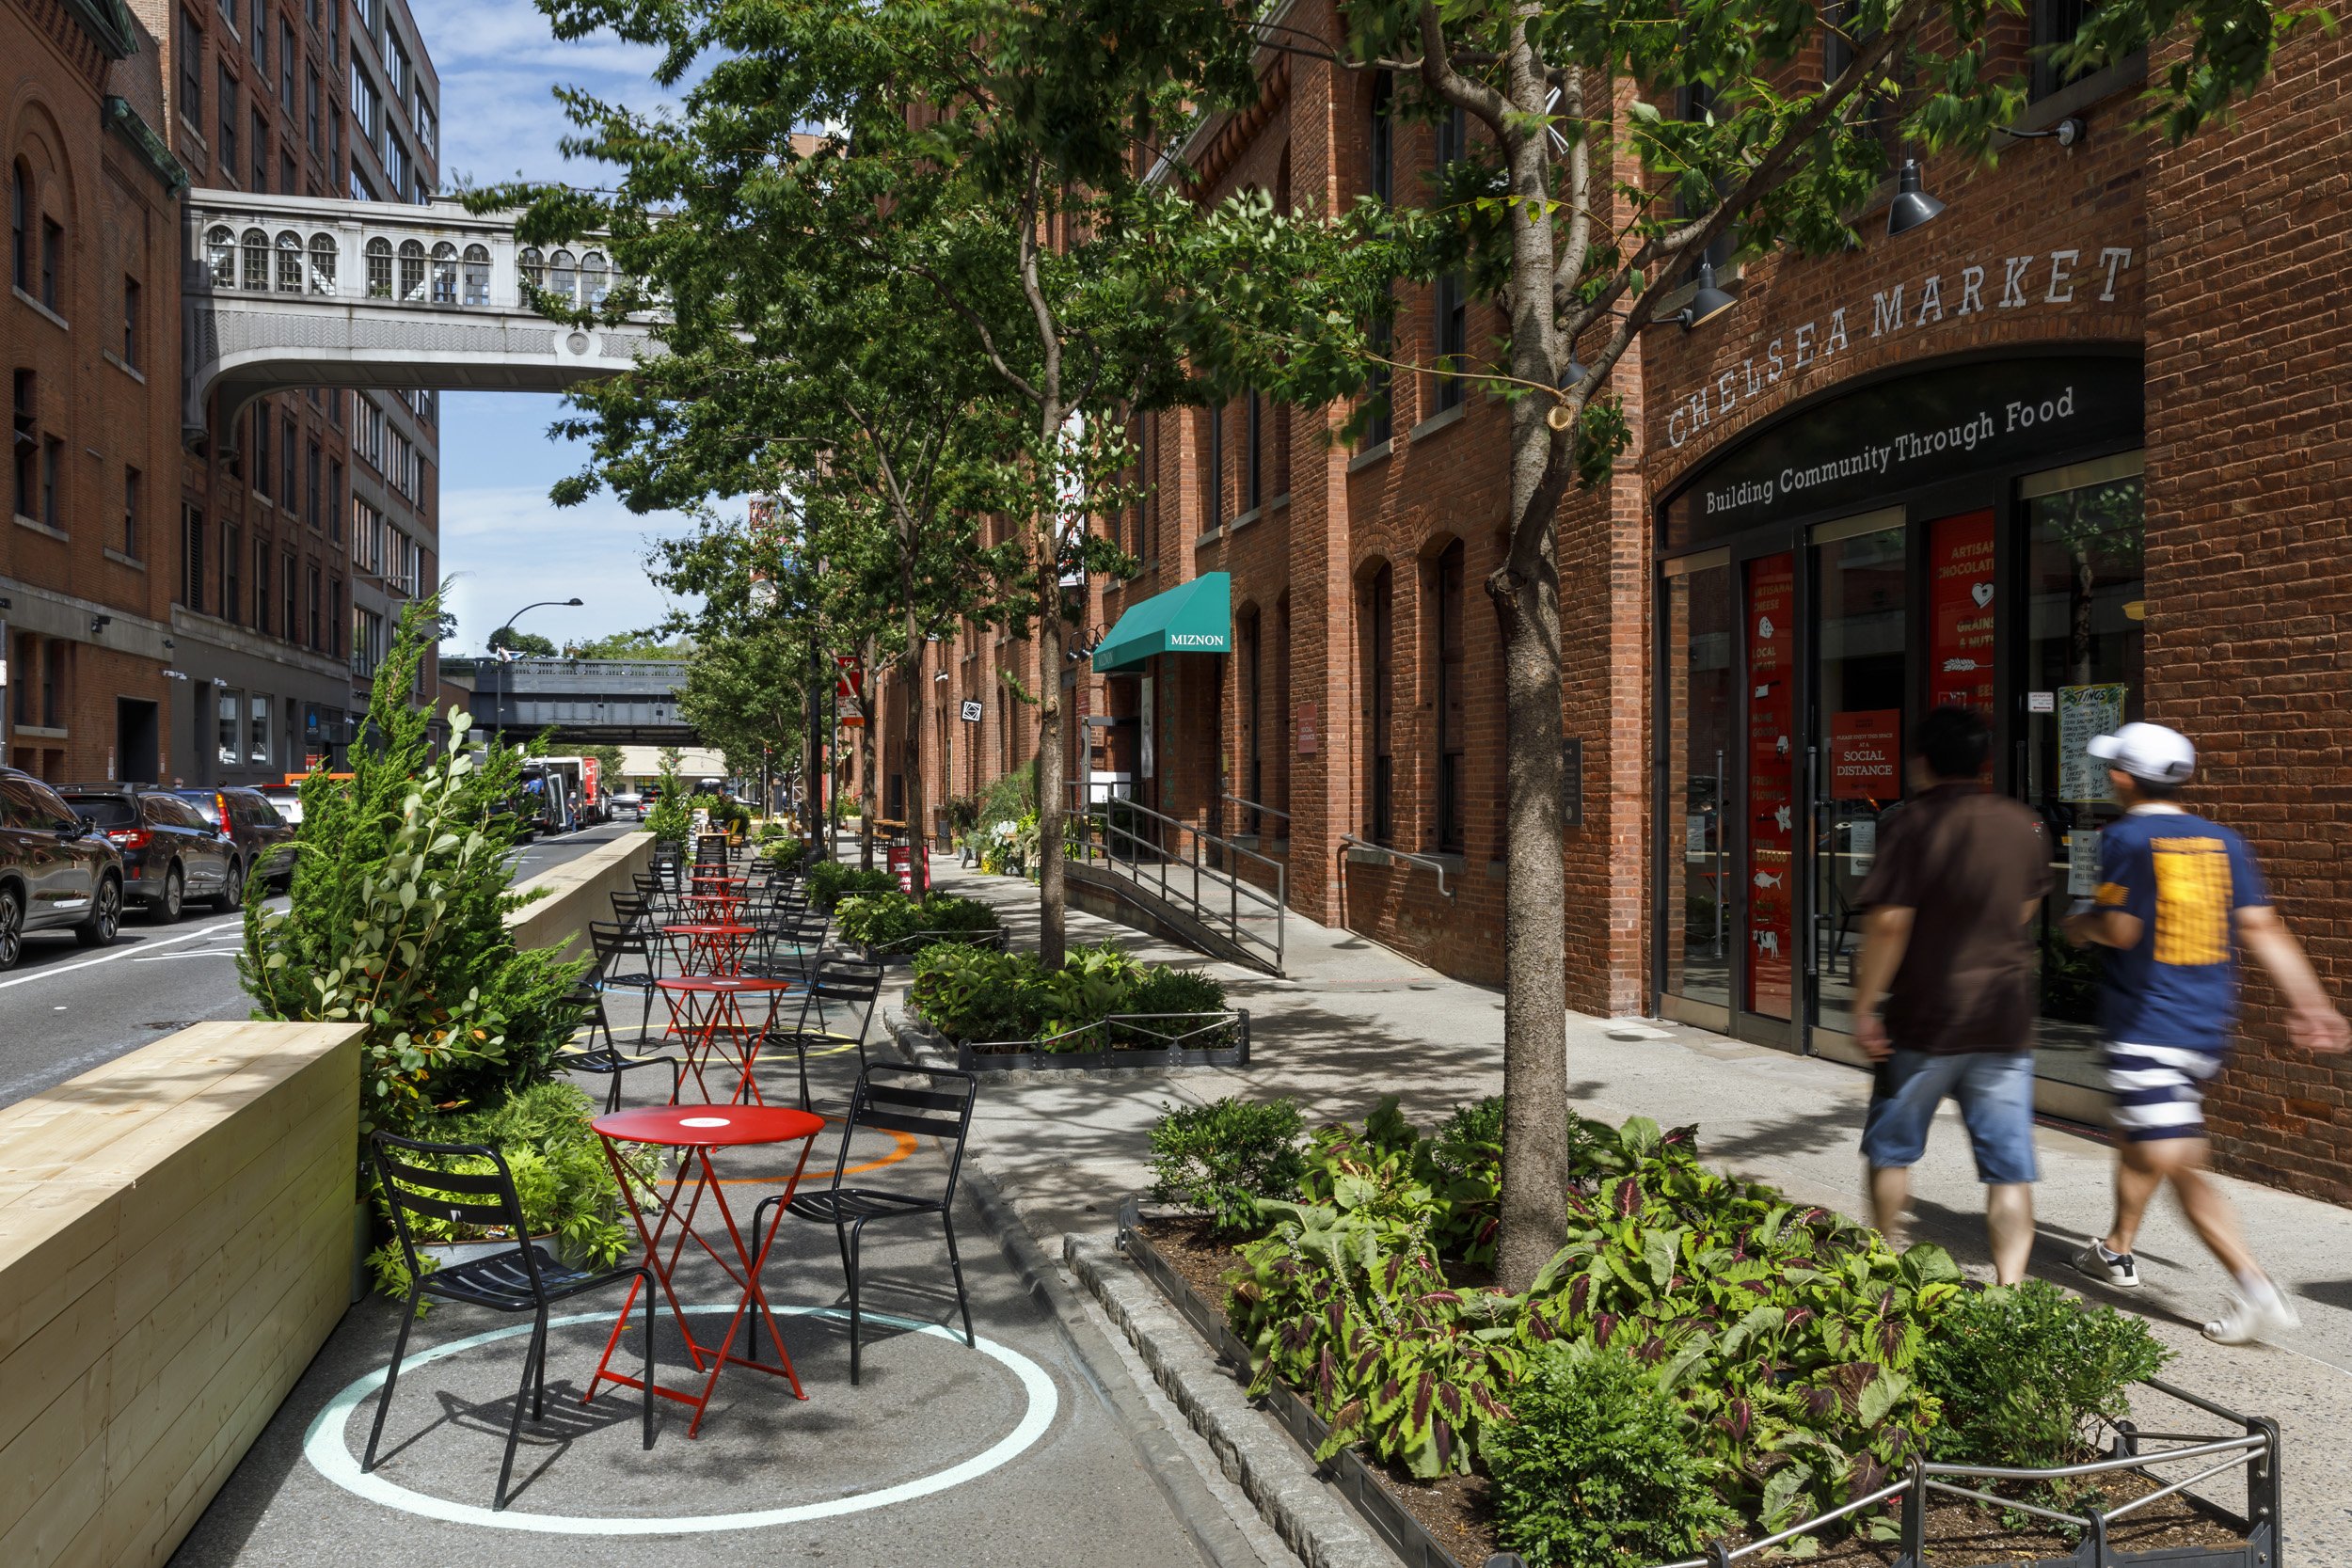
(397, 921)
(999, 1012)
(1706, 1368)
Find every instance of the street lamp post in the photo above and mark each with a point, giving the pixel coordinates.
(501, 694)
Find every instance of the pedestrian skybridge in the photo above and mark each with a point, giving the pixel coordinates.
(284, 292)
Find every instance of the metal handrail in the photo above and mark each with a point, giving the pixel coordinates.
(1100, 813)
(1430, 860)
(1252, 806)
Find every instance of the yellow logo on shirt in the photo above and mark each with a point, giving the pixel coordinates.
(2192, 900)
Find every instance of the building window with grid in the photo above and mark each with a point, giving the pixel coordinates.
(1375, 609)
(25, 406)
(189, 49)
(257, 34)
(261, 448)
(1253, 453)
(1450, 701)
(131, 308)
(52, 291)
(288, 627)
(334, 501)
(132, 528)
(231, 582)
(225, 156)
(260, 586)
(1213, 482)
(316, 629)
(289, 452)
(311, 488)
(192, 558)
(311, 110)
(287, 59)
(260, 155)
(21, 226)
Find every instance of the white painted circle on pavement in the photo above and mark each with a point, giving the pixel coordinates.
(323, 1445)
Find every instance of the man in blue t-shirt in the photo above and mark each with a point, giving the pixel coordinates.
(2178, 897)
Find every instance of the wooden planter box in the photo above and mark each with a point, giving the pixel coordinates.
(1407, 1537)
(1025, 1056)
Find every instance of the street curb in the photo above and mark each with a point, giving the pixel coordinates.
(1205, 1520)
(1255, 1454)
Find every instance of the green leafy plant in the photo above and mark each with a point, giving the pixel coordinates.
(977, 994)
(1595, 1469)
(892, 919)
(669, 820)
(1227, 1158)
(562, 1179)
(397, 915)
(829, 881)
(2025, 1373)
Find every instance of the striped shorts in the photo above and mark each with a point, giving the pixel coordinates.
(2159, 1090)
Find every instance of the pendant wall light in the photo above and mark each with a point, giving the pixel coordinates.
(1911, 206)
(1707, 301)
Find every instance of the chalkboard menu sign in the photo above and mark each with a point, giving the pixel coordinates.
(1898, 434)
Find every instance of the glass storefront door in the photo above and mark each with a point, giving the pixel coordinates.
(1860, 683)
(1766, 870)
(2085, 622)
(1699, 701)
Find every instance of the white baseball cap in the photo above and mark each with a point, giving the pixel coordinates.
(2148, 752)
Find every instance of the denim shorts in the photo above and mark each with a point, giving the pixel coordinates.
(1996, 1094)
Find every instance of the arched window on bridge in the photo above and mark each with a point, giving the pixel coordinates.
(379, 269)
(411, 271)
(220, 255)
(477, 276)
(322, 263)
(445, 274)
(534, 267)
(289, 262)
(596, 276)
(564, 277)
(256, 248)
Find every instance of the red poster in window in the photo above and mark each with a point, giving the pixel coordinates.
(1771, 781)
(1866, 753)
(1959, 612)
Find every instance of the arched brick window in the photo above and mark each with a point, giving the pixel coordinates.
(379, 269)
(220, 255)
(322, 263)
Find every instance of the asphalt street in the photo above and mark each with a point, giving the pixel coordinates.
(64, 1009)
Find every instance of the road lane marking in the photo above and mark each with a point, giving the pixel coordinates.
(122, 953)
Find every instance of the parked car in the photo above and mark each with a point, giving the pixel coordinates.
(628, 803)
(286, 800)
(171, 852)
(264, 839)
(57, 871)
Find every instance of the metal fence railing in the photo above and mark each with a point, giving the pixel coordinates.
(1196, 872)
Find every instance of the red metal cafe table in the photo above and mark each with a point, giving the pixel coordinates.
(695, 1130)
(710, 946)
(721, 907)
(704, 1007)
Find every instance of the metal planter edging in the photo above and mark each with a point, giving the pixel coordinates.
(978, 1058)
(1406, 1536)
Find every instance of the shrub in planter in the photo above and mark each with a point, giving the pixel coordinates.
(669, 820)
(2024, 1373)
(977, 994)
(1387, 1166)
(562, 1179)
(1595, 1471)
(883, 919)
(396, 918)
(1092, 983)
(1224, 1159)
(829, 881)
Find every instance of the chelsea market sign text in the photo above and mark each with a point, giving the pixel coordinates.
(2053, 277)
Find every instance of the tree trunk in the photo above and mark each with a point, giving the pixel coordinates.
(911, 757)
(866, 760)
(1526, 592)
(1051, 939)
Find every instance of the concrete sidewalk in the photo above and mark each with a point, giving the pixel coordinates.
(1354, 1020)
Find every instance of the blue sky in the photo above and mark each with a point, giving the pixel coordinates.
(501, 539)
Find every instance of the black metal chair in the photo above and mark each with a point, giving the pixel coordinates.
(837, 983)
(892, 1099)
(522, 1280)
(614, 945)
(608, 1059)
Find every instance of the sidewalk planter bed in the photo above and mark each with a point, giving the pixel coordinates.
(1079, 1050)
(893, 926)
(1707, 1374)
(1002, 1011)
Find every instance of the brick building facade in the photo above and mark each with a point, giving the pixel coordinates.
(2074, 453)
(93, 354)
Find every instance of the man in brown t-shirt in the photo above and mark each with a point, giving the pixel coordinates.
(1958, 873)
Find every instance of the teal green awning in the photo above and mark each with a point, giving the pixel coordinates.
(1194, 618)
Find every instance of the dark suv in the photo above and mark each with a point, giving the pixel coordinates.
(264, 839)
(171, 852)
(57, 871)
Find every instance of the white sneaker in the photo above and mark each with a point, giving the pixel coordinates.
(2118, 1269)
(2254, 1317)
